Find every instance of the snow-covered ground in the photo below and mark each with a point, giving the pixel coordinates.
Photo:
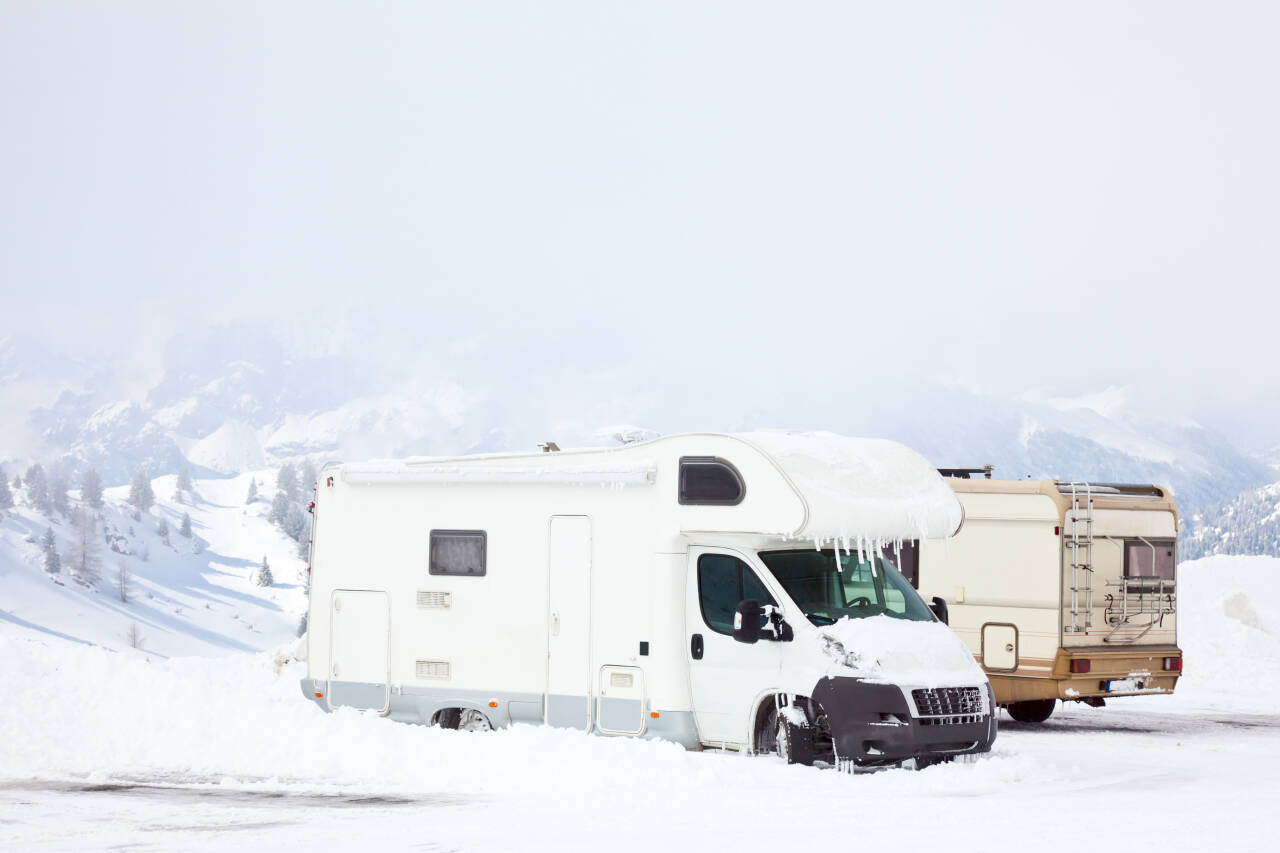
(115, 750)
(192, 596)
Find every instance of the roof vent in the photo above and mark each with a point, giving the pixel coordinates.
(549, 447)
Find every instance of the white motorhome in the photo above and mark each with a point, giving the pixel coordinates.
(1062, 591)
(733, 591)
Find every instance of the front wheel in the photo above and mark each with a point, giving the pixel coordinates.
(1032, 711)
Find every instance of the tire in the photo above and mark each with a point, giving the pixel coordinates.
(1033, 711)
(792, 743)
(448, 718)
(473, 721)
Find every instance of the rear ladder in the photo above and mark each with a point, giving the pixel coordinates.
(1080, 547)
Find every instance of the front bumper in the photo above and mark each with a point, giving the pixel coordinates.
(873, 723)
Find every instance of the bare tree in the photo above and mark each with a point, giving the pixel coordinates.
(85, 556)
(134, 637)
(124, 582)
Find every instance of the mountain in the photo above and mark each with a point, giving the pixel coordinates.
(235, 399)
(1247, 524)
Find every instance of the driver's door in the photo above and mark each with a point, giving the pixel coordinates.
(726, 677)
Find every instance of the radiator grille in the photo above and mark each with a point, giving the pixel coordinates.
(432, 669)
(434, 599)
(948, 706)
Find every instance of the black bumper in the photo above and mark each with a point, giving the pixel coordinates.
(872, 724)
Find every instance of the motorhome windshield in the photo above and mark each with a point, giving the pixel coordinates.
(827, 590)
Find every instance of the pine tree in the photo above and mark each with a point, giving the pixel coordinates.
(287, 480)
(58, 493)
(6, 496)
(84, 559)
(264, 573)
(162, 528)
(184, 479)
(91, 488)
(279, 509)
(185, 530)
(253, 491)
(52, 563)
(140, 493)
(302, 624)
(37, 488)
(134, 636)
(17, 481)
(294, 522)
(306, 478)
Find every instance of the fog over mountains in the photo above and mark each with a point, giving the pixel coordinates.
(238, 398)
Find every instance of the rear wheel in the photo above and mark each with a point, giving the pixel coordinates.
(473, 721)
(448, 718)
(1033, 711)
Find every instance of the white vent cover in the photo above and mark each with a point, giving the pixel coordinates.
(434, 599)
(621, 679)
(432, 669)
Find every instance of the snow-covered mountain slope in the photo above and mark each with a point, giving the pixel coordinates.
(1247, 524)
(191, 596)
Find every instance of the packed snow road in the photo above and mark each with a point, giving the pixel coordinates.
(1158, 776)
(103, 750)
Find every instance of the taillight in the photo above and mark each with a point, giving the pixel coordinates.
(1080, 666)
(1173, 664)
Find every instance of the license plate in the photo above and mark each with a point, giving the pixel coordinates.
(1122, 685)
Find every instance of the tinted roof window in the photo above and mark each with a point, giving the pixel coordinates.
(709, 481)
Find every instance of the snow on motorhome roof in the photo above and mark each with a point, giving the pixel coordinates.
(853, 488)
(862, 488)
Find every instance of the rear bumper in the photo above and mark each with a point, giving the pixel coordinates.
(1132, 671)
(873, 723)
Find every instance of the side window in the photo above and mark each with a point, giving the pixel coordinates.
(708, 481)
(723, 581)
(458, 552)
(906, 560)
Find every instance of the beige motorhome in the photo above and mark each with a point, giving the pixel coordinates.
(1062, 591)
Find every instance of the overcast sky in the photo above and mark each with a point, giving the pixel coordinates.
(819, 196)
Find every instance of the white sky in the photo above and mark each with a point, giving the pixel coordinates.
(809, 195)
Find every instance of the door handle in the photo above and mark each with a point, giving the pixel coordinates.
(695, 646)
(555, 624)
(1008, 647)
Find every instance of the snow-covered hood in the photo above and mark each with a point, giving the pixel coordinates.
(898, 651)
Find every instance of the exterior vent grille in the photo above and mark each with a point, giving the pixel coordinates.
(432, 669)
(948, 706)
(435, 599)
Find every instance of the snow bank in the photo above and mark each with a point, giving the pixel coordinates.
(925, 654)
(1229, 632)
(862, 488)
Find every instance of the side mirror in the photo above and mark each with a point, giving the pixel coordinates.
(939, 608)
(746, 621)
(775, 627)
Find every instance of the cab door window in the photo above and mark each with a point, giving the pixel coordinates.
(723, 581)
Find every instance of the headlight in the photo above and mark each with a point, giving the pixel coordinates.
(837, 652)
